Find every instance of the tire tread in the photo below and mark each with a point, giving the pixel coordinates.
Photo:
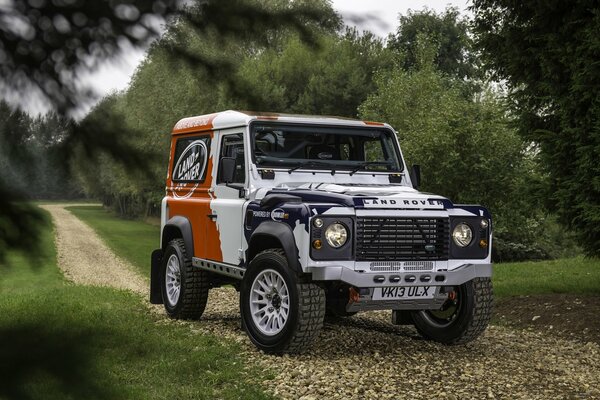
(482, 311)
(197, 285)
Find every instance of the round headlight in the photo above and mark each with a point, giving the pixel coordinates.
(336, 235)
(462, 235)
(318, 222)
(484, 223)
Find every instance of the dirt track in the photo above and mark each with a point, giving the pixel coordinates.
(365, 356)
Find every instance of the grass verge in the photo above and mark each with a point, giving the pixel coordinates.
(63, 341)
(577, 275)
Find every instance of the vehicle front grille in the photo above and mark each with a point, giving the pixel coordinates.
(402, 239)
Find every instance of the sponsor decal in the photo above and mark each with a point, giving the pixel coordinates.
(278, 214)
(403, 203)
(193, 122)
(190, 167)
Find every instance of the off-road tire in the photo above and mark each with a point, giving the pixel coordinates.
(307, 307)
(195, 284)
(472, 319)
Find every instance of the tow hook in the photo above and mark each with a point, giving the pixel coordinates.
(353, 295)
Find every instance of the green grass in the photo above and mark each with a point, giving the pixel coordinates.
(63, 341)
(574, 275)
(568, 275)
(130, 239)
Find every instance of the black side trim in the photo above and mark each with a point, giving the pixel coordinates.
(155, 263)
(176, 227)
(271, 233)
(272, 200)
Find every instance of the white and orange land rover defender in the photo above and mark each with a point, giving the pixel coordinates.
(308, 216)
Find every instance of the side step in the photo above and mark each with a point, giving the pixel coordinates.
(231, 271)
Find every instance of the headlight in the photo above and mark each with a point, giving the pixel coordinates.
(462, 235)
(336, 235)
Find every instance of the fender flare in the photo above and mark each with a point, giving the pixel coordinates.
(275, 232)
(178, 226)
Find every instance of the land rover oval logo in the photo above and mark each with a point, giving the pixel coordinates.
(430, 248)
(191, 164)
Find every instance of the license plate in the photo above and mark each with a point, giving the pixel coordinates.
(400, 293)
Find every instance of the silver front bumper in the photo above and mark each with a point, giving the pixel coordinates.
(363, 279)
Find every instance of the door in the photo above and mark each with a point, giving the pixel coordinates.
(227, 206)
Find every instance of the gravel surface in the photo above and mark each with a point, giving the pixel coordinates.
(366, 357)
(85, 259)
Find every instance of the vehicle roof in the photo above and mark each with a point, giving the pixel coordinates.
(231, 119)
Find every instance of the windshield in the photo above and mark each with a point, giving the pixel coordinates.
(315, 147)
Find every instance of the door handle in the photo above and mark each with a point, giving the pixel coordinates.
(212, 216)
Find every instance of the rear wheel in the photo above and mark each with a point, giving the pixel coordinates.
(280, 313)
(462, 318)
(184, 288)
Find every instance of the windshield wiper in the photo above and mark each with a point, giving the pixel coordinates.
(312, 164)
(365, 164)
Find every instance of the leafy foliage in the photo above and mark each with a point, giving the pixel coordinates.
(332, 77)
(466, 147)
(44, 45)
(548, 54)
(455, 55)
(32, 168)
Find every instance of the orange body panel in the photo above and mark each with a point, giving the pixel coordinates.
(192, 200)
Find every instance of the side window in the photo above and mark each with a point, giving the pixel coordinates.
(233, 146)
(191, 156)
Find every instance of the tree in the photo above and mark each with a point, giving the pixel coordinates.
(547, 52)
(287, 76)
(333, 79)
(466, 147)
(455, 55)
(44, 43)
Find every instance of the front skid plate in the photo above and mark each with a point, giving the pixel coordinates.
(358, 279)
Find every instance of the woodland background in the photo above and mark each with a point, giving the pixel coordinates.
(500, 108)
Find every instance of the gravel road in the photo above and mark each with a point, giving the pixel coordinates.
(365, 357)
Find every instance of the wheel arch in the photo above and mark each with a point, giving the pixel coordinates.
(271, 235)
(178, 227)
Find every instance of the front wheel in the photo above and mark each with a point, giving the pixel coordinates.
(462, 318)
(280, 313)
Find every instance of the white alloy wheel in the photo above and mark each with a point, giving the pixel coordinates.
(173, 280)
(269, 302)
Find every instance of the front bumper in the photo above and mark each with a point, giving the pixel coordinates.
(439, 277)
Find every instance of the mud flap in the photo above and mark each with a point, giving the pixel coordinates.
(155, 265)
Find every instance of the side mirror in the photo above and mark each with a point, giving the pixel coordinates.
(415, 176)
(226, 169)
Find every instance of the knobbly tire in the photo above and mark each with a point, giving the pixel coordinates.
(193, 283)
(472, 315)
(305, 302)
